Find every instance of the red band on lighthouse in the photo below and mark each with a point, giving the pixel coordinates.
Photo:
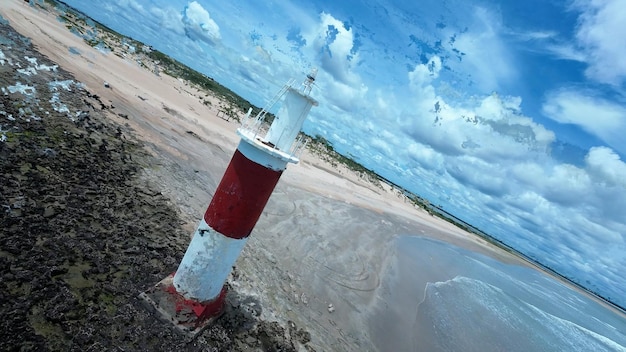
(240, 197)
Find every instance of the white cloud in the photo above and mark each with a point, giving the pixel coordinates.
(534, 35)
(566, 185)
(127, 9)
(487, 59)
(600, 34)
(493, 128)
(606, 166)
(423, 75)
(604, 119)
(132, 4)
(346, 97)
(591, 230)
(381, 146)
(487, 178)
(527, 201)
(199, 25)
(566, 52)
(332, 44)
(169, 19)
(425, 156)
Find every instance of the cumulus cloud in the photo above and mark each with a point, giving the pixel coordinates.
(199, 25)
(606, 167)
(487, 178)
(492, 128)
(600, 36)
(563, 214)
(425, 156)
(484, 156)
(333, 46)
(169, 19)
(599, 117)
(596, 190)
(333, 43)
(565, 184)
(423, 74)
(345, 97)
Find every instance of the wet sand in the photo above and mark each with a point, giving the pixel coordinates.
(326, 235)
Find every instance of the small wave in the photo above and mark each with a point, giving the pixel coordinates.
(464, 314)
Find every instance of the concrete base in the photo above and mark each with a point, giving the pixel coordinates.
(187, 316)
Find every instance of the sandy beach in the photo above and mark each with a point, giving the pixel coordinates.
(326, 237)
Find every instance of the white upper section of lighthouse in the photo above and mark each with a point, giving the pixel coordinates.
(289, 120)
(279, 139)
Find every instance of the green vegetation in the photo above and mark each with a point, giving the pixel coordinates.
(95, 34)
(174, 68)
(325, 150)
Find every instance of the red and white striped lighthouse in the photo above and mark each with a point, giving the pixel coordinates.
(195, 294)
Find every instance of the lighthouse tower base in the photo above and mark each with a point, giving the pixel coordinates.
(188, 316)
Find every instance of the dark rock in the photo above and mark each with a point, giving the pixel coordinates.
(79, 236)
(49, 212)
(48, 152)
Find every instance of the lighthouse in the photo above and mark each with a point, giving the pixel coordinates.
(194, 295)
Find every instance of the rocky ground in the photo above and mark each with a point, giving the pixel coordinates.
(81, 235)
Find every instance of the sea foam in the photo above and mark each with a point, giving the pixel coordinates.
(466, 314)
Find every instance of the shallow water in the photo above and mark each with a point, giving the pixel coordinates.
(446, 298)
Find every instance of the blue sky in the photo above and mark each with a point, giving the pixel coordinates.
(509, 114)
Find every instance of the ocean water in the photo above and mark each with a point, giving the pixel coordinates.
(483, 317)
(446, 298)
